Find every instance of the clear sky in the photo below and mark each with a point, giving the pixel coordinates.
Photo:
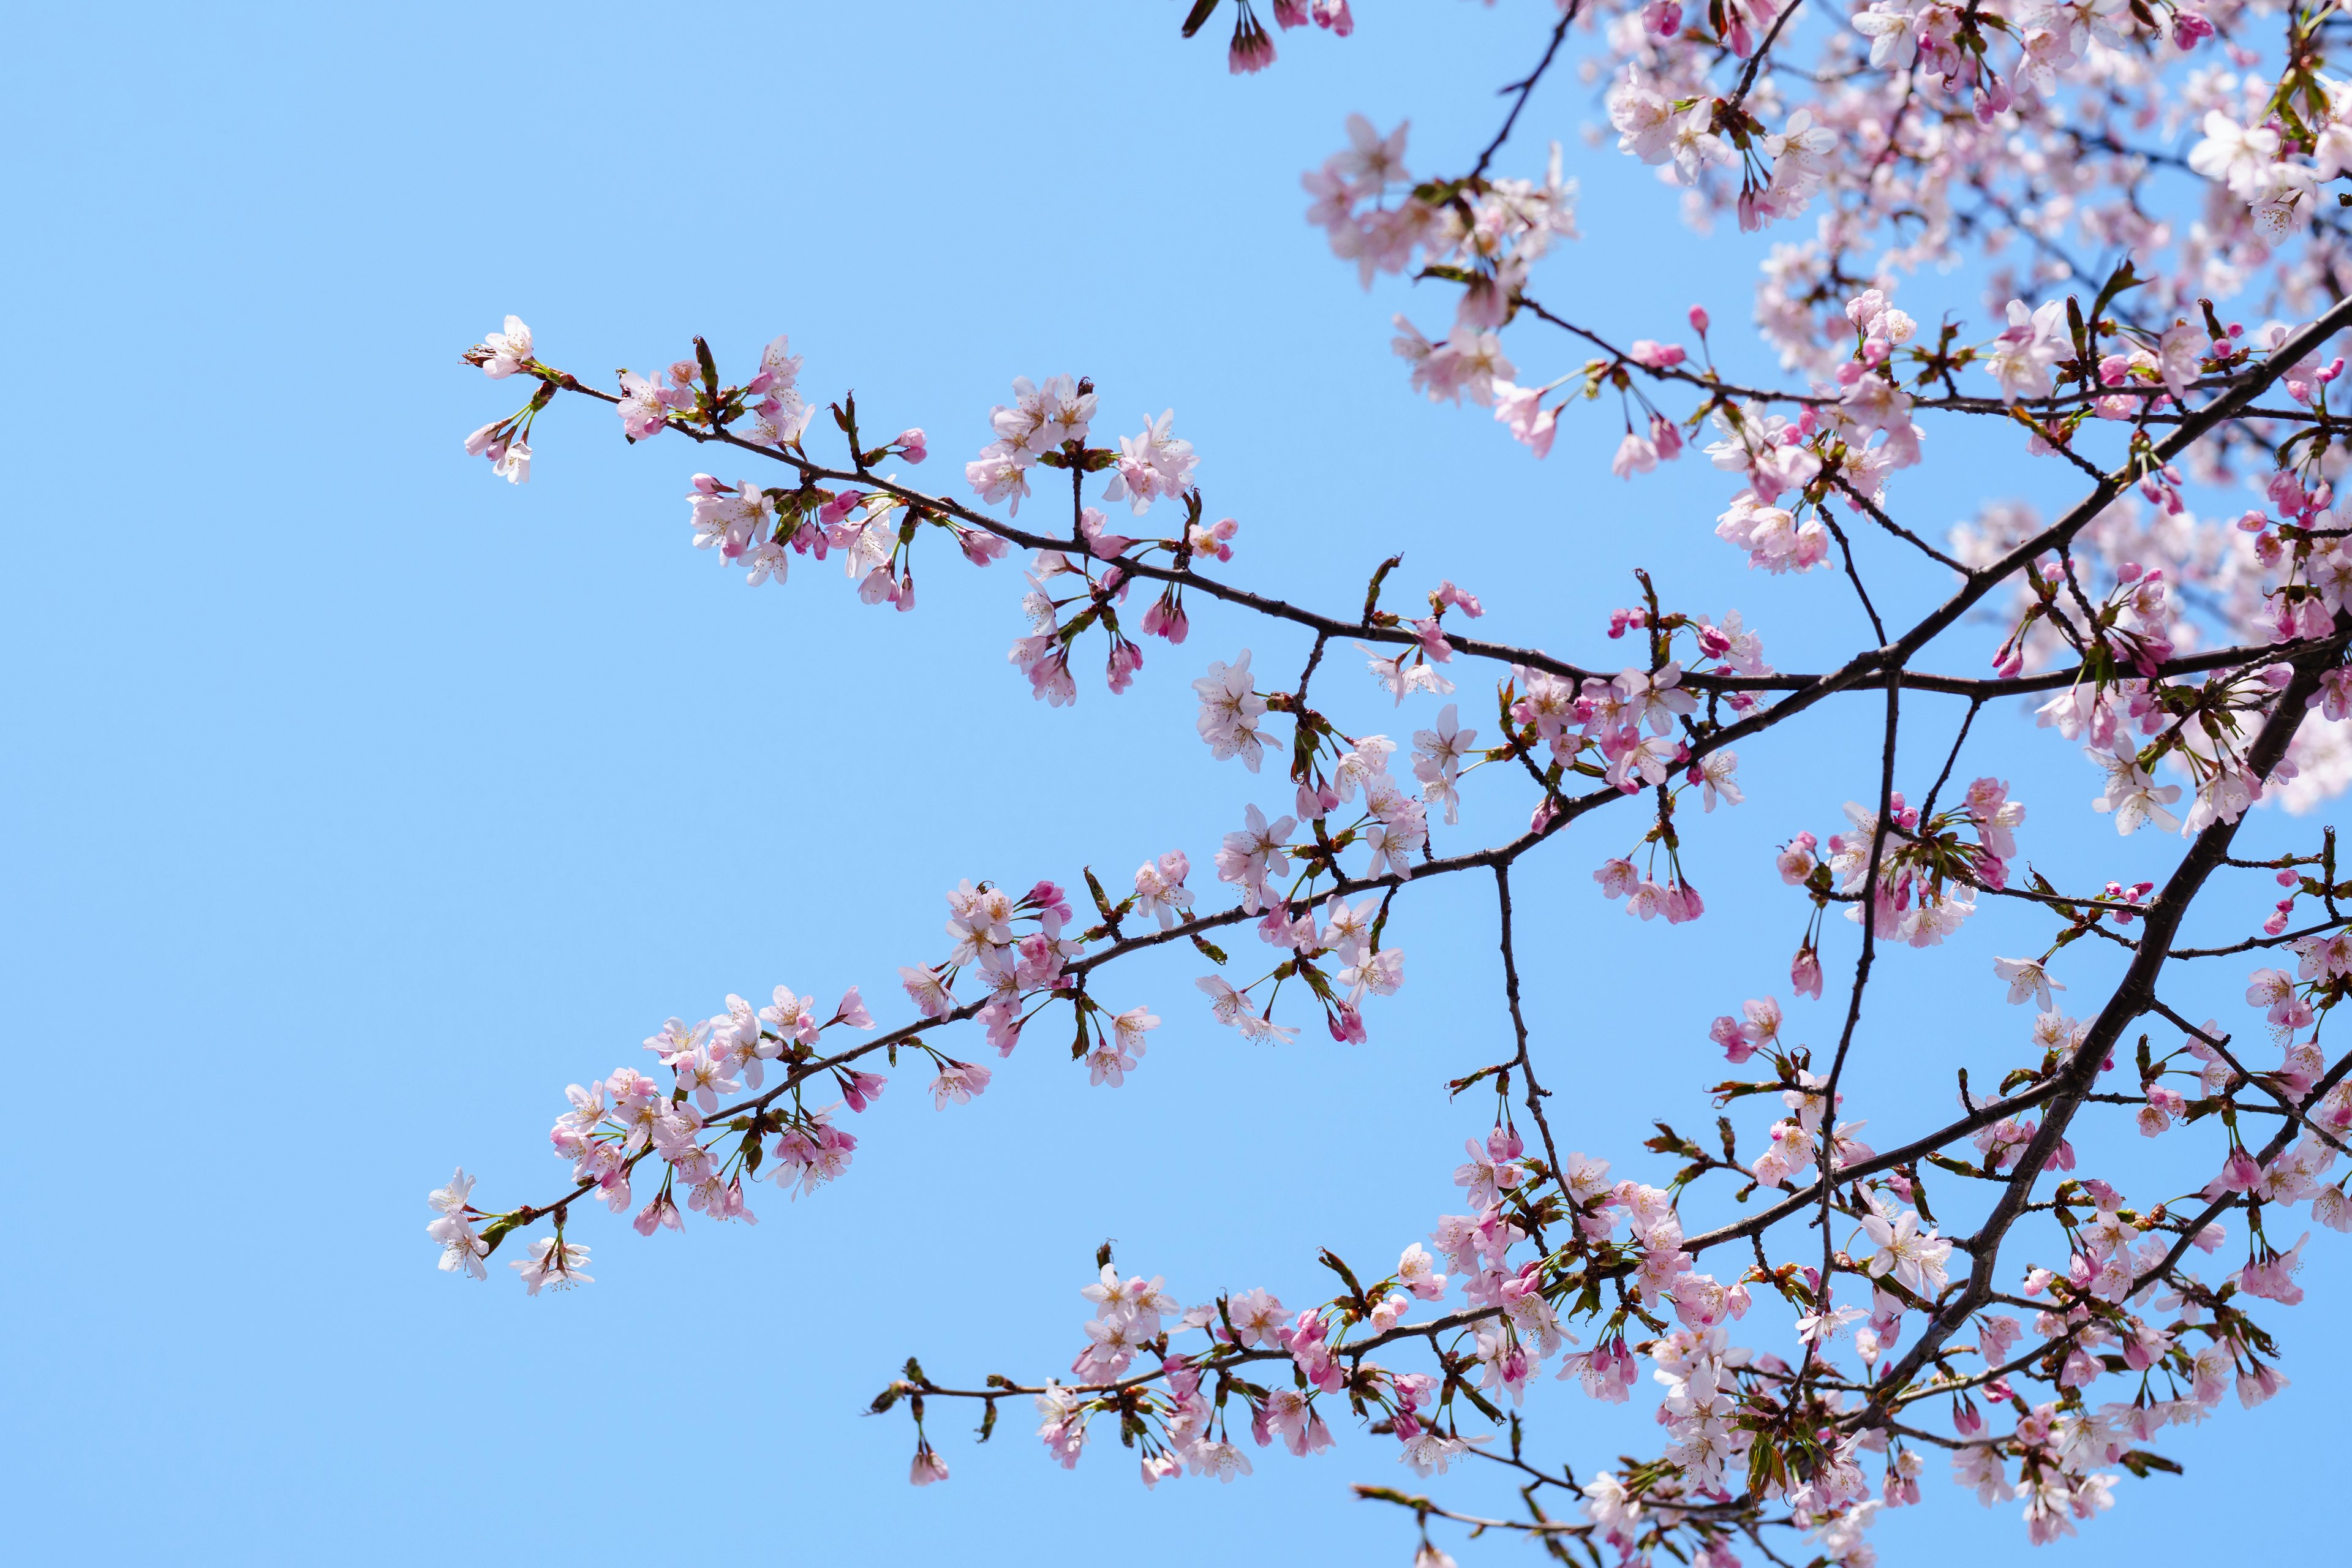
(357, 802)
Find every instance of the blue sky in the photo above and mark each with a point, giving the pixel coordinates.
(360, 801)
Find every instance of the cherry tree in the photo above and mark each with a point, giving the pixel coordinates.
(1973, 1297)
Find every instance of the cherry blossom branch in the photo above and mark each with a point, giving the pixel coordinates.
(1755, 60)
(2132, 997)
(1810, 1197)
(1327, 626)
(1428, 1509)
(1536, 1092)
(2284, 939)
(1870, 907)
(1524, 87)
(2219, 1046)
(1876, 514)
(1717, 387)
(2213, 1210)
(1225, 1356)
(2282, 593)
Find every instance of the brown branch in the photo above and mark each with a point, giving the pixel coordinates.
(1525, 86)
(1536, 1092)
(2135, 996)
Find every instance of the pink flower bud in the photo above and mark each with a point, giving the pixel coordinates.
(1666, 437)
(1805, 973)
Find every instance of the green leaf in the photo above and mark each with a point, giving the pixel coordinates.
(2120, 280)
(1372, 589)
(496, 1232)
(1102, 900)
(1456, 1086)
(1669, 1142)
(1331, 1260)
(1486, 1406)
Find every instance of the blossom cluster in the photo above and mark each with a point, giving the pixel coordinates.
(1988, 1289)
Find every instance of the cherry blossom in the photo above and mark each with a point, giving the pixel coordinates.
(2178, 629)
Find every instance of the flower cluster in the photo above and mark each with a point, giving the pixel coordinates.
(1988, 1288)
